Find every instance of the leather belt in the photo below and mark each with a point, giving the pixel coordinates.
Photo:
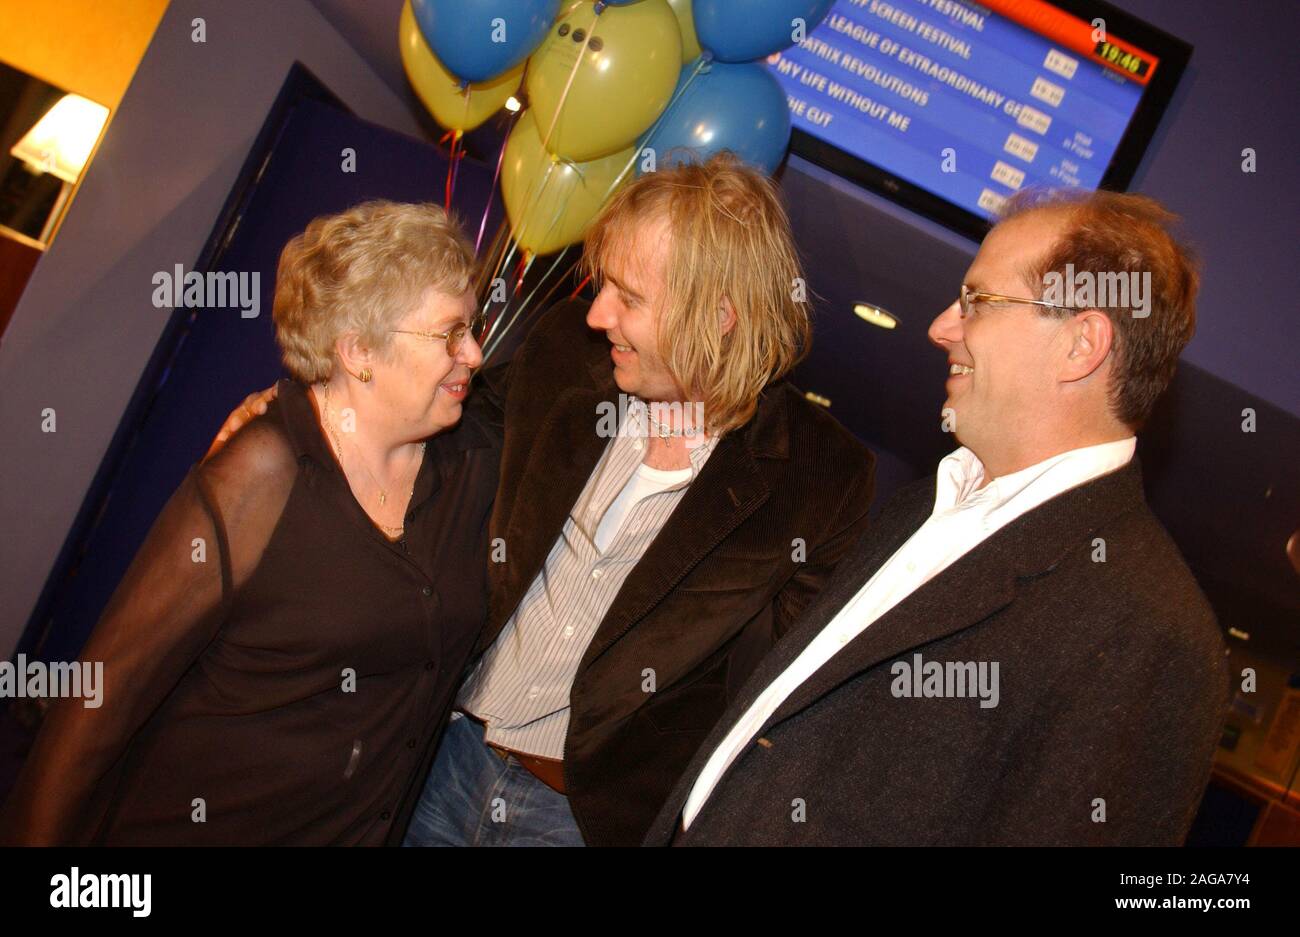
(547, 770)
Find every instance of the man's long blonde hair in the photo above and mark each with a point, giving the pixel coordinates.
(730, 242)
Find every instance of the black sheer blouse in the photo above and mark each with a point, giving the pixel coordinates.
(275, 669)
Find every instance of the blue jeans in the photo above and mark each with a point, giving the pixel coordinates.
(473, 797)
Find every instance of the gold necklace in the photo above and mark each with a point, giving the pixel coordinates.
(392, 532)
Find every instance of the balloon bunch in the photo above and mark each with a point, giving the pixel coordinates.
(611, 86)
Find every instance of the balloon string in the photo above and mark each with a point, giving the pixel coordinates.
(541, 303)
(522, 309)
(536, 189)
(702, 61)
(455, 170)
(527, 261)
(456, 157)
(446, 186)
(546, 276)
(494, 249)
(581, 287)
(483, 286)
(502, 265)
(501, 158)
(564, 95)
(451, 169)
(502, 262)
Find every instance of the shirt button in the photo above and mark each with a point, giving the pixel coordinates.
(427, 591)
(534, 692)
(568, 631)
(429, 665)
(637, 445)
(597, 573)
(410, 743)
(385, 815)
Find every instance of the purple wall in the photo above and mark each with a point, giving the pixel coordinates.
(1239, 91)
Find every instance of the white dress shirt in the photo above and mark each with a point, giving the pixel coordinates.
(964, 516)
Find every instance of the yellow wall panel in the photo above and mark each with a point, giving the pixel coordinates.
(90, 47)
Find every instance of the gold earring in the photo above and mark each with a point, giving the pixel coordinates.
(366, 375)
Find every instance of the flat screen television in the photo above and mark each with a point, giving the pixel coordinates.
(949, 107)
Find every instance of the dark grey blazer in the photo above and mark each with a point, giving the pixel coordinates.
(1112, 678)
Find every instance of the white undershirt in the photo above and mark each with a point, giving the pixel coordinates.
(645, 481)
(964, 516)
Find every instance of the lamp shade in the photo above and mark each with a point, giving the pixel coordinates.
(61, 141)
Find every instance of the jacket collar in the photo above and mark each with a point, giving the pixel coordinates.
(975, 586)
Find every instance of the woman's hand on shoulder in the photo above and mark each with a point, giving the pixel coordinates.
(254, 405)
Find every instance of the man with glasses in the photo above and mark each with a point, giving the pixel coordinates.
(1016, 652)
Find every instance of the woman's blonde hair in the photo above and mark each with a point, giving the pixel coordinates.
(361, 271)
(729, 240)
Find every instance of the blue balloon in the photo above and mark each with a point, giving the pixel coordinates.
(742, 32)
(481, 39)
(736, 107)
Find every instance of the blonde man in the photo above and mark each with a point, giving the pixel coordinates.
(668, 505)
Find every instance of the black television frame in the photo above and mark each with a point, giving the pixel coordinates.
(1174, 54)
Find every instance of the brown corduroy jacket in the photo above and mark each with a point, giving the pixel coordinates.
(722, 582)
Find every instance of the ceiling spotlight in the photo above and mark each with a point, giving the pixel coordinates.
(876, 315)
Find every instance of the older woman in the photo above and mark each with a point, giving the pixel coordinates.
(282, 655)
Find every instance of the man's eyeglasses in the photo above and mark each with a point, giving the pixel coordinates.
(970, 297)
(455, 336)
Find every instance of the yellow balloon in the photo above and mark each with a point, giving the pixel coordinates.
(611, 95)
(440, 91)
(551, 201)
(686, 22)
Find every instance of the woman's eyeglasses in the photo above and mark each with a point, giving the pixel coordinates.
(455, 336)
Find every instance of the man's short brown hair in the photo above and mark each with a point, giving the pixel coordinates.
(1109, 233)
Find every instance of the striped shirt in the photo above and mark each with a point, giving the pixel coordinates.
(520, 688)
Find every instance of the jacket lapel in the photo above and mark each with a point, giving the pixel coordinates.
(1052, 529)
(729, 489)
(977, 585)
(564, 453)
(906, 511)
